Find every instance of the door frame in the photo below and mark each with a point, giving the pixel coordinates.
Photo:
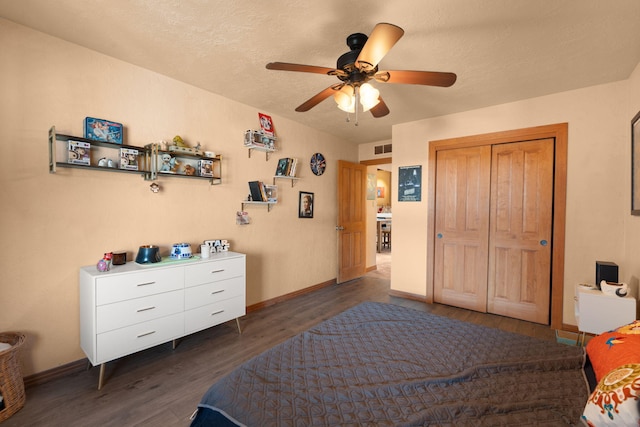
(560, 133)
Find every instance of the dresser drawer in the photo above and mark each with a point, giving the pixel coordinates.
(197, 296)
(124, 341)
(122, 287)
(138, 310)
(213, 271)
(213, 314)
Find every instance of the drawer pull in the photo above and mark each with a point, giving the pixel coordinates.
(217, 312)
(145, 309)
(217, 271)
(145, 284)
(217, 292)
(146, 333)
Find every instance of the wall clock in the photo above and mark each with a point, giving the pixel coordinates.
(318, 164)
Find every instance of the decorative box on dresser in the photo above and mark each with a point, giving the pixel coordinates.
(133, 307)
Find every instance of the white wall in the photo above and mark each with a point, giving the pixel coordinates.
(52, 224)
(598, 182)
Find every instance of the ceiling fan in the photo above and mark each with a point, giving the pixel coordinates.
(360, 65)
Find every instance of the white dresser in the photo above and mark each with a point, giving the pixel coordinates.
(133, 307)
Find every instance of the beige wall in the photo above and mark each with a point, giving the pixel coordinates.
(599, 226)
(54, 224)
(631, 237)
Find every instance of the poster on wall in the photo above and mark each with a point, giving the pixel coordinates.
(410, 183)
(371, 186)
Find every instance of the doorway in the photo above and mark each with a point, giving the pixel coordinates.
(380, 196)
(554, 243)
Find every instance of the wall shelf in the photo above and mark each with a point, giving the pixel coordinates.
(183, 160)
(267, 204)
(293, 179)
(57, 151)
(149, 159)
(256, 140)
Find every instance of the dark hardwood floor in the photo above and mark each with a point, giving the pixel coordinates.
(161, 386)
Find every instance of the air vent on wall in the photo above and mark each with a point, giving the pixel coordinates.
(380, 149)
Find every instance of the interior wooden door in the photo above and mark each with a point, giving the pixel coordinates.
(352, 190)
(521, 230)
(462, 227)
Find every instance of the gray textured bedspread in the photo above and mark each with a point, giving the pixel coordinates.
(385, 365)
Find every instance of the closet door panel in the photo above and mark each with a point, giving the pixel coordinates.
(462, 224)
(520, 230)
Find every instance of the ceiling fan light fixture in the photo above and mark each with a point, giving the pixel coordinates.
(345, 99)
(369, 96)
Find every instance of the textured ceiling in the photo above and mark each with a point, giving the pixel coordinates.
(501, 50)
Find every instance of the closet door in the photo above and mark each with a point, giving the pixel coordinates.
(462, 227)
(521, 230)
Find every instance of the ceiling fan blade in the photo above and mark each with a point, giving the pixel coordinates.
(285, 66)
(380, 110)
(381, 40)
(318, 98)
(429, 78)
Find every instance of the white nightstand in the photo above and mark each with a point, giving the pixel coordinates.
(597, 312)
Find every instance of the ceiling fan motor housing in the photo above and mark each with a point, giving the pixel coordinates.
(347, 61)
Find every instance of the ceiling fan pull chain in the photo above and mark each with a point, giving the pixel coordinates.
(357, 103)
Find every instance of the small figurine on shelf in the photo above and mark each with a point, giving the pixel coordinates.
(189, 170)
(178, 141)
(169, 163)
(105, 263)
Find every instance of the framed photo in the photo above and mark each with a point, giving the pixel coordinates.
(635, 165)
(410, 183)
(305, 205)
(266, 124)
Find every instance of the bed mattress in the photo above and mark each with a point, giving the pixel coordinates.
(386, 365)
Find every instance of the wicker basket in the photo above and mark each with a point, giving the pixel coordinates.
(11, 382)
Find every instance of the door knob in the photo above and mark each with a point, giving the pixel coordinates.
(339, 228)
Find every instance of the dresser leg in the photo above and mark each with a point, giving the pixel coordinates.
(101, 378)
(238, 323)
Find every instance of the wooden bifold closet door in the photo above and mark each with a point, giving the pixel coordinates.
(493, 225)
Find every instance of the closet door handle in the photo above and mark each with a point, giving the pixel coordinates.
(543, 242)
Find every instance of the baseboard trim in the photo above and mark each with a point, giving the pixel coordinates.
(287, 297)
(55, 373)
(407, 295)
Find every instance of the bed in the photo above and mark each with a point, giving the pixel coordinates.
(386, 365)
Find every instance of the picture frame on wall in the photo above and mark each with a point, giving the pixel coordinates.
(410, 183)
(305, 205)
(635, 165)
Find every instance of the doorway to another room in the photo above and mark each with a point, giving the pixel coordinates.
(384, 241)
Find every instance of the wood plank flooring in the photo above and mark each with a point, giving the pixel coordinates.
(161, 386)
